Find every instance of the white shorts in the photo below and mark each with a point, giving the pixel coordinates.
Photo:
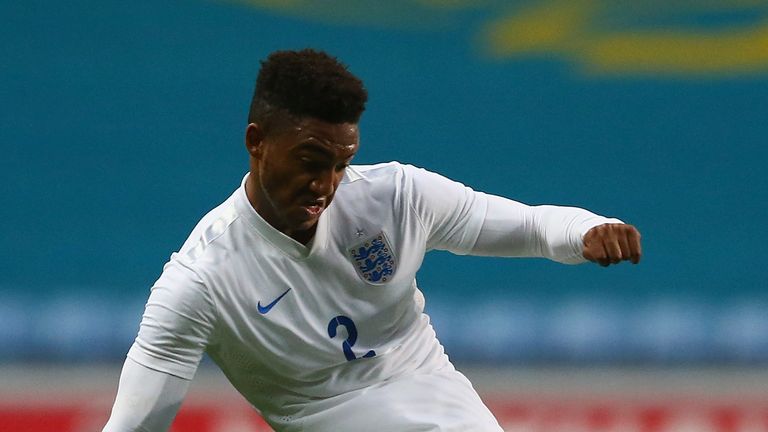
(442, 400)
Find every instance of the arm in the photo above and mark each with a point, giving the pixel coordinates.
(463, 221)
(147, 400)
(175, 330)
(514, 229)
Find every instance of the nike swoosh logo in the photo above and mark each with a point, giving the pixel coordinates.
(265, 309)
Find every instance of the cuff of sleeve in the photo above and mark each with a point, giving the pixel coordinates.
(183, 371)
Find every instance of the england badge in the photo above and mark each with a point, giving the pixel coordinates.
(374, 259)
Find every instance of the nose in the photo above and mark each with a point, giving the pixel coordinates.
(324, 183)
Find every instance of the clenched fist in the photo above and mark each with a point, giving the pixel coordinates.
(611, 243)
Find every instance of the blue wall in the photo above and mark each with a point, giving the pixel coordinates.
(121, 123)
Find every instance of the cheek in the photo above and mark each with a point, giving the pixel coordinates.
(282, 184)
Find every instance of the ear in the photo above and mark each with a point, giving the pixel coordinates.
(254, 140)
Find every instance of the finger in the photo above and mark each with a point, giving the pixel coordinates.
(612, 248)
(601, 254)
(635, 246)
(623, 241)
(595, 252)
(594, 246)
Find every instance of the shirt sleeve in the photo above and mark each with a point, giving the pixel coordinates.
(147, 400)
(450, 213)
(177, 324)
(514, 229)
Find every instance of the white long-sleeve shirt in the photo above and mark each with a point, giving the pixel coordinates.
(301, 329)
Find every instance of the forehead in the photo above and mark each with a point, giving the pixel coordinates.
(313, 133)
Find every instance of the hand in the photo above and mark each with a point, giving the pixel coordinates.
(611, 243)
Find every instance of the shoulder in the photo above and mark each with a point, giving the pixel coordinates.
(381, 182)
(375, 172)
(212, 228)
(205, 252)
(394, 174)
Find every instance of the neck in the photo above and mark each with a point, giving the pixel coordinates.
(259, 200)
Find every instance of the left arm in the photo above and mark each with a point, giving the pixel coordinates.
(565, 234)
(464, 221)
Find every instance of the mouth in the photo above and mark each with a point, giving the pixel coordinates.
(313, 208)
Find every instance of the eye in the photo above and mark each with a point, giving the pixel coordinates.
(308, 162)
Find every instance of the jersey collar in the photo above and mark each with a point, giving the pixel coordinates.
(279, 240)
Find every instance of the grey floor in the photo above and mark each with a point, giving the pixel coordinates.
(52, 381)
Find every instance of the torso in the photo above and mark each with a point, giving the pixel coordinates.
(279, 302)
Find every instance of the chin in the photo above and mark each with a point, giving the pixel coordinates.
(303, 224)
(307, 225)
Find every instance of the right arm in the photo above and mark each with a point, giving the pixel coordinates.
(175, 330)
(147, 400)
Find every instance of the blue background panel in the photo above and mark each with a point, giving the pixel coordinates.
(122, 124)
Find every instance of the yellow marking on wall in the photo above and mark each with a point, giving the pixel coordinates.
(561, 28)
(539, 29)
(597, 35)
(670, 52)
(393, 14)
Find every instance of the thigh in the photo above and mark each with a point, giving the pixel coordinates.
(442, 400)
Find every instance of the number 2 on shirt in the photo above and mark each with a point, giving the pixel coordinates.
(347, 345)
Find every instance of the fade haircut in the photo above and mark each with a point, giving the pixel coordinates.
(306, 83)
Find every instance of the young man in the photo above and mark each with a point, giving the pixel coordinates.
(301, 285)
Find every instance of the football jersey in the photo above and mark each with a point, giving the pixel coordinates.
(300, 329)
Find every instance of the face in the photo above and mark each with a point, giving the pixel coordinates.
(295, 172)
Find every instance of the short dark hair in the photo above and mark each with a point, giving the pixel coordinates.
(306, 83)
